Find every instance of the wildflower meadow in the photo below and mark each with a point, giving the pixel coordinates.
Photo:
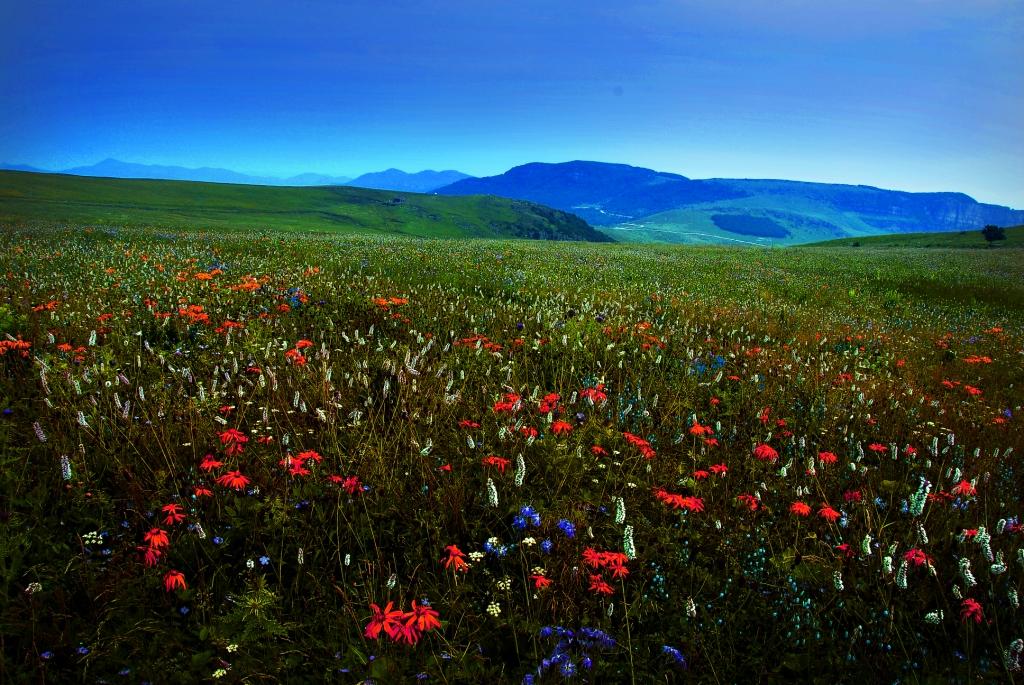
(276, 457)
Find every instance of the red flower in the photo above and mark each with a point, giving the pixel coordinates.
(598, 451)
(456, 558)
(750, 502)
(309, 454)
(827, 457)
(917, 557)
(466, 423)
(494, 460)
(877, 447)
(695, 504)
(150, 555)
(698, 430)
(845, 549)
(971, 610)
(540, 582)
(828, 513)
(599, 586)
(174, 514)
(965, 488)
(174, 580)
(800, 509)
(157, 538)
(719, 469)
(766, 453)
(202, 492)
(423, 617)
(209, 463)
(700, 475)
(388, 620)
(561, 427)
(234, 440)
(352, 485)
(303, 344)
(233, 479)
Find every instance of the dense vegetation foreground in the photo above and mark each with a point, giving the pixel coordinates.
(313, 459)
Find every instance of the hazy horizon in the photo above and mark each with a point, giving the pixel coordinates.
(923, 97)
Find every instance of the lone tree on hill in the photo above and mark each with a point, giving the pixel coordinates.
(993, 233)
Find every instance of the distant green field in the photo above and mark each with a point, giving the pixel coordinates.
(964, 240)
(27, 198)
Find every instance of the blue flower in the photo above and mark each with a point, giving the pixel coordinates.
(217, 540)
(46, 655)
(568, 669)
(674, 654)
(567, 527)
(546, 545)
(264, 560)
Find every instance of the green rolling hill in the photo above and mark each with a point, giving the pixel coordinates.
(962, 240)
(27, 197)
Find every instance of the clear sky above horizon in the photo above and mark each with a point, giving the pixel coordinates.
(921, 95)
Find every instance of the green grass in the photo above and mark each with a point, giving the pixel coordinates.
(33, 198)
(960, 240)
(127, 354)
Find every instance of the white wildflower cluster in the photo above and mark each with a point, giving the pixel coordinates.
(865, 545)
(492, 493)
(93, 538)
(984, 540)
(528, 542)
(505, 584)
(1012, 656)
(620, 510)
(887, 565)
(691, 608)
(837, 580)
(476, 556)
(520, 470)
(999, 567)
(919, 498)
(901, 576)
(627, 543)
(934, 617)
(965, 572)
(494, 609)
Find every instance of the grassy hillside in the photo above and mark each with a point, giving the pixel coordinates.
(795, 219)
(964, 240)
(32, 198)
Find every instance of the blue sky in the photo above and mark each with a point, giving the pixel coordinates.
(910, 94)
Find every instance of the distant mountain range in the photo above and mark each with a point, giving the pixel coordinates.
(391, 179)
(636, 204)
(633, 203)
(396, 179)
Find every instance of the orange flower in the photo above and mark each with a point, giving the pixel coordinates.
(174, 580)
(233, 479)
(157, 538)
